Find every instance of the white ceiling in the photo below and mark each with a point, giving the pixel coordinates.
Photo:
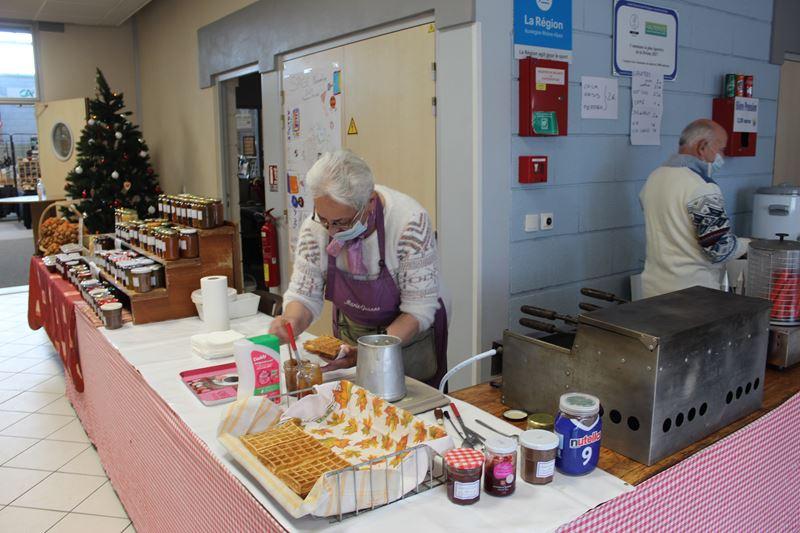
(92, 12)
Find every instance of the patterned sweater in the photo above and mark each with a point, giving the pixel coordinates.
(689, 235)
(412, 258)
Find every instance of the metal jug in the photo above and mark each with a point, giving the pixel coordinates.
(380, 366)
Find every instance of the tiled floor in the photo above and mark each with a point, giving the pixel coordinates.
(51, 478)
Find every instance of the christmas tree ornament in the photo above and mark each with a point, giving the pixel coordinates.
(91, 141)
(84, 194)
(117, 203)
(151, 210)
(115, 174)
(150, 170)
(142, 154)
(118, 135)
(125, 157)
(126, 186)
(78, 170)
(90, 122)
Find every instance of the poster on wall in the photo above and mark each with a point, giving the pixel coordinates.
(645, 38)
(312, 112)
(647, 104)
(543, 29)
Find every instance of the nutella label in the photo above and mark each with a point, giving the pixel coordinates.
(466, 491)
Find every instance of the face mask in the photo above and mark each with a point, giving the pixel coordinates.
(356, 230)
(715, 165)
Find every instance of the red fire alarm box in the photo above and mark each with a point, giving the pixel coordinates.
(532, 168)
(737, 113)
(543, 97)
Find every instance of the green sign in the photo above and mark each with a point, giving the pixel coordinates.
(545, 123)
(654, 28)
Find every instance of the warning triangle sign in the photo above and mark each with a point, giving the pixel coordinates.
(352, 129)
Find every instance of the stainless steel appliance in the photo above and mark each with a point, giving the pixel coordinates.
(668, 370)
(380, 366)
(776, 209)
(773, 273)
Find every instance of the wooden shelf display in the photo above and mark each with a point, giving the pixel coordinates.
(217, 249)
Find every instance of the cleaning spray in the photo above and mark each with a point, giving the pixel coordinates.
(258, 362)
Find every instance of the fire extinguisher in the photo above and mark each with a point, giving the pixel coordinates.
(269, 248)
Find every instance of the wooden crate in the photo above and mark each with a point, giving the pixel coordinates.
(217, 256)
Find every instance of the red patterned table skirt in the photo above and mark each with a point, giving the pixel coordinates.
(165, 476)
(51, 304)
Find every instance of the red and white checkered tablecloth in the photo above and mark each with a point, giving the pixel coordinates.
(165, 475)
(745, 482)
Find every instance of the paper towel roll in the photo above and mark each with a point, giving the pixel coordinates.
(215, 303)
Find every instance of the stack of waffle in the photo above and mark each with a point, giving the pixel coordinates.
(293, 455)
(324, 346)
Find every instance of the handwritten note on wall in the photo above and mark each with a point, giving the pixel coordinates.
(647, 95)
(599, 97)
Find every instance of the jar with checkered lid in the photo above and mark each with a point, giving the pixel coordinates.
(463, 467)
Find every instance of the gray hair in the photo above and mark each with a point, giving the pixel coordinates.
(701, 129)
(343, 176)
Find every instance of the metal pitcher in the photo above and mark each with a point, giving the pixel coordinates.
(380, 366)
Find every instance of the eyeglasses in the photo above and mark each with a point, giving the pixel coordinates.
(337, 224)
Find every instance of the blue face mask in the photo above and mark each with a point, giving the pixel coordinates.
(354, 231)
(715, 165)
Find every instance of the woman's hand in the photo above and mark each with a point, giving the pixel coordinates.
(348, 361)
(278, 328)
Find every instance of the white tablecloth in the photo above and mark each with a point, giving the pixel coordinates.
(160, 351)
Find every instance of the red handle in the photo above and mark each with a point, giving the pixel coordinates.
(455, 410)
(290, 331)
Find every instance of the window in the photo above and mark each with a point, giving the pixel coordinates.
(17, 65)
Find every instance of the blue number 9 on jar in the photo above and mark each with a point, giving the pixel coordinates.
(578, 427)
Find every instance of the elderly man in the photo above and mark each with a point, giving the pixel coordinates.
(371, 251)
(689, 235)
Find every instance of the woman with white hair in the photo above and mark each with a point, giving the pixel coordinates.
(371, 251)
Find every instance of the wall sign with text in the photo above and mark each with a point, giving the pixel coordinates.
(645, 38)
(543, 29)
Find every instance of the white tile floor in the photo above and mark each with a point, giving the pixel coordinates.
(51, 478)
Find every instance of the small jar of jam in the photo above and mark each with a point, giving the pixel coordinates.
(538, 450)
(189, 243)
(141, 279)
(463, 468)
(500, 469)
(157, 277)
(544, 421)
(219, 213)
(172, 250)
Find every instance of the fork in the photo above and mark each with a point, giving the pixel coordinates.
(473, 438)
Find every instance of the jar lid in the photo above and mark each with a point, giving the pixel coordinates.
(463, 458)
(541, 421)
(142, 270)
(538, 439)
(111, 307)
(502, 445)
(579, 404)
(188, 231)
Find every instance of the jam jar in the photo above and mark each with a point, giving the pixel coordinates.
(538, 451)
(500, 469)
(463, 468)
(172, 250)
(578, 427)
(189, 243)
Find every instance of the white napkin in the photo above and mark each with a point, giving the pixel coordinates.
(215, 344)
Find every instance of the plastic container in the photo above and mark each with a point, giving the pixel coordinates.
(258, 365)
(578, 427)
(500, 469)
(538, 451)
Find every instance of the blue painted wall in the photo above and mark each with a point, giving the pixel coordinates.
(596, 175)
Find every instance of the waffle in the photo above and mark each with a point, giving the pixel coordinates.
(293, 455)
(324, 346)
(302, 477)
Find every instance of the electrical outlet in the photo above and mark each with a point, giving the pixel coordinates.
(547, 221)
(531, 223)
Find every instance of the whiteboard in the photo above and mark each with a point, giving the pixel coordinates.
(312, 111)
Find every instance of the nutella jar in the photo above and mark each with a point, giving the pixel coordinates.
(172, 250)
(538, 450)
(500, 469)
(189, 243)
(463, 468)
(579, 429)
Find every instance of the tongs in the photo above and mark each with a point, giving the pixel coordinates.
(472, 439)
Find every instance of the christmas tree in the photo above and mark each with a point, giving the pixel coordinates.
(113, 164)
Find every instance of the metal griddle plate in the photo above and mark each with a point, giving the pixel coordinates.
(421, 397)
(663, 316)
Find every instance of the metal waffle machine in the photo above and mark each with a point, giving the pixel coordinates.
(668, 370)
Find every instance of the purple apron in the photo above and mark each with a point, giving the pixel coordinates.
(376, 303)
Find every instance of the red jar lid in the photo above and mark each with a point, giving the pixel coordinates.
(463, 458)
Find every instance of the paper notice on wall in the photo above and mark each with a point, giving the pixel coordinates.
(647, 99)
(599, 97)
(745, 114)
